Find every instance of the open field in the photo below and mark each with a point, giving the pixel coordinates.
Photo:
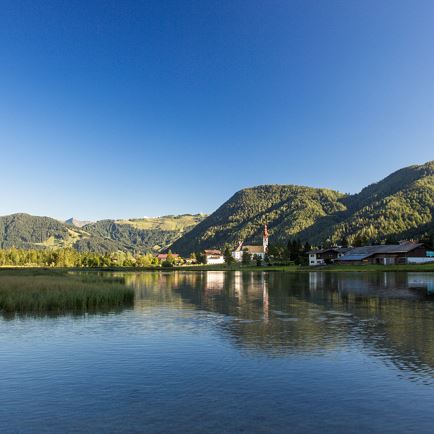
(165, 223)
(40, 291)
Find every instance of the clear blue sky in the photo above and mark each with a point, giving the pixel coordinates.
(129, 108)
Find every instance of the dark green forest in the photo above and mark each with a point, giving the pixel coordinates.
(400, 206)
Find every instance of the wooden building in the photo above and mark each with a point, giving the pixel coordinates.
(384, 254)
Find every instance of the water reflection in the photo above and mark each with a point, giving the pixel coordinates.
(239, 352)
(387, 315)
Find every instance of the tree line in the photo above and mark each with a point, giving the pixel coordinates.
(68, 257)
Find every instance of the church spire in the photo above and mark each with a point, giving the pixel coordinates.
(265, 239)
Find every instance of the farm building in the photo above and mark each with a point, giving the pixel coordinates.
(384, 254)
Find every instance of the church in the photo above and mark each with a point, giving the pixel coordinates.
(253, 250)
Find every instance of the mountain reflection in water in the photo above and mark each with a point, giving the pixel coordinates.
(389, 315)
(206, 352)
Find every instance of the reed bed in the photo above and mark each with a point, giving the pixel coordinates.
(57, 293)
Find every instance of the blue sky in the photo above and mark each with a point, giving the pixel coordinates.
(127, 108)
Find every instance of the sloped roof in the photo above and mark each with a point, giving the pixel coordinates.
(164, 255)
(330, 249)
(360, 253)
(212, 252)
(254, 249)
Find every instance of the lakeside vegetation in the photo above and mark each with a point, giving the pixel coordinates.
(68, 257)
(54, 291)
(289, 258)
(41, 292)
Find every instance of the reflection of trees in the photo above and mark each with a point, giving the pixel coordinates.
(307, 312)
(393, 315)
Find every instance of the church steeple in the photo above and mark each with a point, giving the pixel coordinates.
(265, 239)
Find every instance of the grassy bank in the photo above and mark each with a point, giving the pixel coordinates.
(365, 268)
(298, 268)
(222, 267)
(55, 292)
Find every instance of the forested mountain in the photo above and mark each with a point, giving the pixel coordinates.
(287, 209)
(143, 235)
(26, 231)
(136, 235)
(399, 206)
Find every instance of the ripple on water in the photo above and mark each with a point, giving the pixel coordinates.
(257, 355)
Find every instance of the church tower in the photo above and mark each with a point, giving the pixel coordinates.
(265, 239)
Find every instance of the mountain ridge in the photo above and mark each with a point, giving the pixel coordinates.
(25, 231)
(399, 206)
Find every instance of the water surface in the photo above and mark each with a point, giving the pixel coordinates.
(230, 352)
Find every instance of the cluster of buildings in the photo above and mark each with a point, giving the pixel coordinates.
(216, 256)
(403, 253)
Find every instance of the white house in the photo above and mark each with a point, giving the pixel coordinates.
(326, 256)
(213, 257)
(260, 251)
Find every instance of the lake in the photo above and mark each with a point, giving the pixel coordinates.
(229, 352)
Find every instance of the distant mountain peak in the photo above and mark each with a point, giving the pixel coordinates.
(77, 223)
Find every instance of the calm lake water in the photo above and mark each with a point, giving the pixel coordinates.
(230, 352)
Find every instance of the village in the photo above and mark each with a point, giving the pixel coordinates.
(404, 252)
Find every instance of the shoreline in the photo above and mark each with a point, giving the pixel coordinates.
(253, 268)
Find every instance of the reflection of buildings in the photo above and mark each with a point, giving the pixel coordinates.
(316, 280)
(265, 298)
(283, 314)
(214, 280)
(422, 280)
(384, 284)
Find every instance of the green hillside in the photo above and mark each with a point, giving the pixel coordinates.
(287, 209)
(399, 206)
(26, 231)
(139, 235)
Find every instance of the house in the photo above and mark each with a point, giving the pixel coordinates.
(327, 256)
(163, 256)
(213, 257)
(385, 254)
(259, 250)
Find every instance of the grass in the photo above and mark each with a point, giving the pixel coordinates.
(73, 236)
(165, 223)
(53, 292)
(235, 267)
(403, 267)
(298, 268)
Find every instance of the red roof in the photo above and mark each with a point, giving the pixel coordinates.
(163, 256)
(212, 252)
